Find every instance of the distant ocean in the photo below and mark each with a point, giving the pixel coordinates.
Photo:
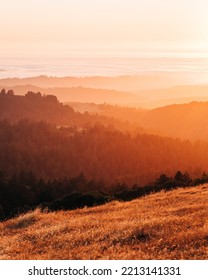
(192, 65)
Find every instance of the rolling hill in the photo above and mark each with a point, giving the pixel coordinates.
(185, 121)
(165, 225)
(135, 91)
(37, 107)
(81, 94)
(119, 83)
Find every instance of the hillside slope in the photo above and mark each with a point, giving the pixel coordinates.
(166, 225)
(81, 94)
(186, 121)
(120, 83)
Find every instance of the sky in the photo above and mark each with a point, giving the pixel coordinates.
(59, 27)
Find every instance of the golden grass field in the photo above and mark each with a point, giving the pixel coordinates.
(165, 225)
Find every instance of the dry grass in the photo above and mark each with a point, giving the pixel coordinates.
(165, 225)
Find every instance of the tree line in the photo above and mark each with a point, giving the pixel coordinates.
(25, 192)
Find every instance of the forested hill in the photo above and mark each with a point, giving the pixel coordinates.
(100, 153)
(34, 106)
(185, 121)
(53, 141)
(38, 107)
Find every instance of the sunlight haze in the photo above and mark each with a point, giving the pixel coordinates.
(39, 28)
(103, 134)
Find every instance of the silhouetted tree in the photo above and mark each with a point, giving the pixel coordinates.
(10, 92)
(163, 179)
(3, 92)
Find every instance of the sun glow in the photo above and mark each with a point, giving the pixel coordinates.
(53, 27)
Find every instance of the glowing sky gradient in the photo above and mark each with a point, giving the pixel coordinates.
(51, 27)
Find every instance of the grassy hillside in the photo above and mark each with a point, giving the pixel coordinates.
(166, 225)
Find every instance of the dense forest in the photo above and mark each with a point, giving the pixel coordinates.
(49, 151)
(39, 134)
(101, 153)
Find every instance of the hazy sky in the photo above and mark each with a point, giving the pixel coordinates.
(54, 27)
